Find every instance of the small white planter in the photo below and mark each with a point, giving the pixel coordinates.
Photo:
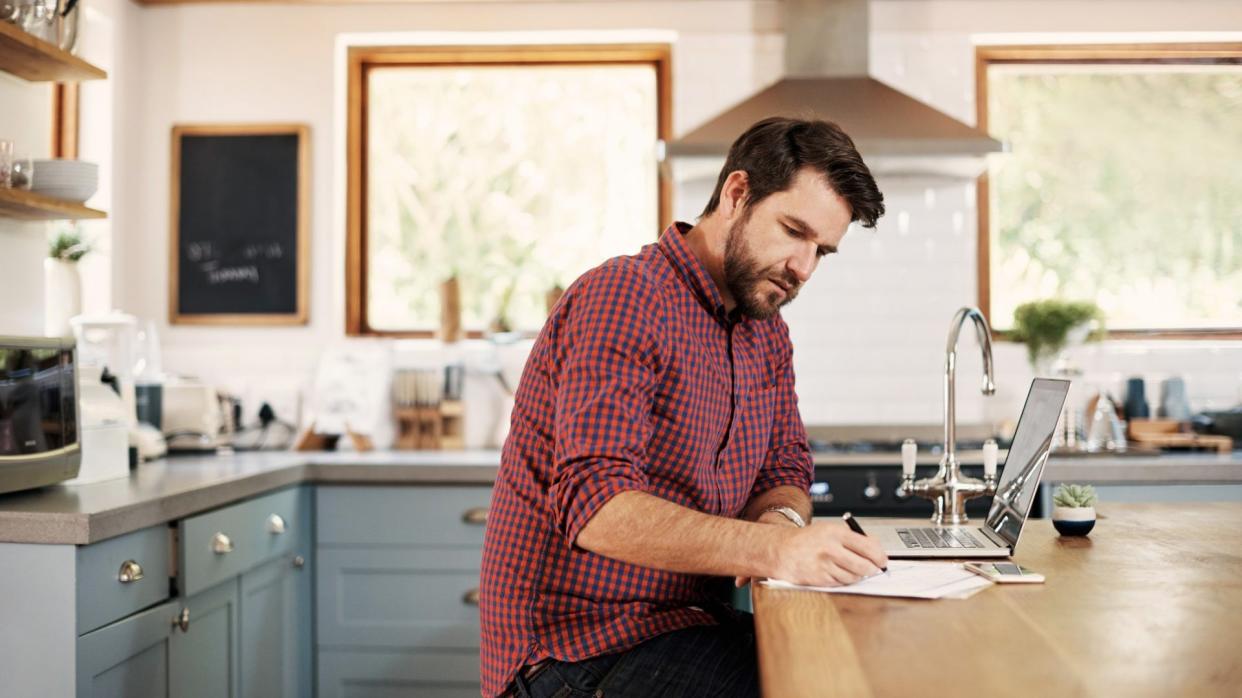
(1073, 521)
(62, 296)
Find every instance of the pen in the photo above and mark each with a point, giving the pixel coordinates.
(853, 524)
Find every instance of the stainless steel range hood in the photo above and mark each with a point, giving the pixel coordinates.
(827, 76)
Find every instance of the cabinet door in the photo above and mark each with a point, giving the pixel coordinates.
(381, 674)
(203, 655)
(129, 658)
(276, 629)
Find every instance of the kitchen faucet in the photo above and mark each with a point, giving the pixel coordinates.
(948, 488)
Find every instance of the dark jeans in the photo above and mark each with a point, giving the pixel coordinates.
(707, 660)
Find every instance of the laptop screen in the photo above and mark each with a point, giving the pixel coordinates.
(1028, 453)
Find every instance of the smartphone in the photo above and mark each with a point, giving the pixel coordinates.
(1004, 572)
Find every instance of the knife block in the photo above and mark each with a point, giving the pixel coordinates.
(431, 428)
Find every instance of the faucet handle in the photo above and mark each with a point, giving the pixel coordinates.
(909, 456)
(989, 458)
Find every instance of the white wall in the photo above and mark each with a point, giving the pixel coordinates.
(25, 119)
(919, 275)
(263, 63)
(869, 330)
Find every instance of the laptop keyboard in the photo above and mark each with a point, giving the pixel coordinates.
(937, 538)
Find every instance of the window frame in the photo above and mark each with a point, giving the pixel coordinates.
(362, 59)
(1216, 53)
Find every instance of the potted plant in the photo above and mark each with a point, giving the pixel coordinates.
(1048, 326)
(1073, 513)
(62, 285)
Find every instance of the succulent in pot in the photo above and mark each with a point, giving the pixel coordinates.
(1073, 511)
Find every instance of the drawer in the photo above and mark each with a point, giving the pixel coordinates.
(228, 541)
(398, 674)
(398, 598)
(121, 575)
(439, 516)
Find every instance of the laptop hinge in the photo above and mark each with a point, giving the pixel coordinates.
(992, 536)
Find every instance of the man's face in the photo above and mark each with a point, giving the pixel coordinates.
(774, 247)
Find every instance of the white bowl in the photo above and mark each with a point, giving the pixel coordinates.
(69, 180)
(66, 168)
(77, 194)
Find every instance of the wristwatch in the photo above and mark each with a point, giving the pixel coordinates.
(788, 513)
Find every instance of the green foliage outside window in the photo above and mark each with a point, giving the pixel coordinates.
(514, 179)
(1123, 187)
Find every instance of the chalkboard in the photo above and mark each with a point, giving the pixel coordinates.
(238, 247)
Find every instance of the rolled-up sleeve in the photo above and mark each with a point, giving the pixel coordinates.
(788, 461)
(606, 381)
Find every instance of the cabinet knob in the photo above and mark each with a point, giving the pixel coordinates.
(299, 561)
(182, 620)
(130, 572)
(471, 597)
(275, 524)
(221, 544)
(476, 516)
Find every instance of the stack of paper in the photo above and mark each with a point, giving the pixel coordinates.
(917, 580)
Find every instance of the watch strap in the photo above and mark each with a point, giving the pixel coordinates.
(793, 516)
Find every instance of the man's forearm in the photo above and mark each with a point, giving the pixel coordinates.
(642, 529)
(784, 496)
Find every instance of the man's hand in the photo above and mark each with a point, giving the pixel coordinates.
(770, 517)
(828, 554)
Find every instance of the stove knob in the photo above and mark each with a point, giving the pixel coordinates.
(872, 491)
(900, 494)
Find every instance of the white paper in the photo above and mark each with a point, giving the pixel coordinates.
(910, 579)
(352, 390)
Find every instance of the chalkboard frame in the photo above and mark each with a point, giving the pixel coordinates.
(302, 315)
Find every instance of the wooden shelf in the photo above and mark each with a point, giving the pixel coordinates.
(28, 206)
(39, 61)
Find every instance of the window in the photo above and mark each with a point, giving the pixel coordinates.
(1120, 185)
(512, 169)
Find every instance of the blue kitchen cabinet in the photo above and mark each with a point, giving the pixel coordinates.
(398, 674)
(397, 590)
(276, 629)
(240, 626)
(179, 649)
(128, 658)
(204, 651)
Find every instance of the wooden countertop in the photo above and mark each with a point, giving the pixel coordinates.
(1149, 605)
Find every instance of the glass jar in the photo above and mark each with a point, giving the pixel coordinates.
(38, 18)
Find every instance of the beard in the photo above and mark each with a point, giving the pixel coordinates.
(747, 280)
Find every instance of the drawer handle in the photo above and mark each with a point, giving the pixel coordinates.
(130, 572)
(221, 544)
(471, 597)
(299, 562)
(275, 524)
(182, 620)
(476, 516)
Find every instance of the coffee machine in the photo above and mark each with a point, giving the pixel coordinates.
(108, 350)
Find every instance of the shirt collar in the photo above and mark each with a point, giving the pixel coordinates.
(693, 275)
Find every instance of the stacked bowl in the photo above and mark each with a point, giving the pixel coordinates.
(70, 180)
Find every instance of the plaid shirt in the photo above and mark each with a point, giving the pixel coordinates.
(639, 381)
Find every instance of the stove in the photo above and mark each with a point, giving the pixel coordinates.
(865, 446)
(872, 489)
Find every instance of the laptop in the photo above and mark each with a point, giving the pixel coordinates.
(998, 536)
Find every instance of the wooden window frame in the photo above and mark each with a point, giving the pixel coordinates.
(1099, 54)
(65, 113)
(363, 59)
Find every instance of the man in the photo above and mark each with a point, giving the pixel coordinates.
(656, 443)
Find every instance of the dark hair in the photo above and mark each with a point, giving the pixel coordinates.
(773, 150)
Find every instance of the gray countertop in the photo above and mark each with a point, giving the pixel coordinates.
(169, 489)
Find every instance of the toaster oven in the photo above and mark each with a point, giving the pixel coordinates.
(39, 435)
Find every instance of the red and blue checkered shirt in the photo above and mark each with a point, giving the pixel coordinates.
(639, 381)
